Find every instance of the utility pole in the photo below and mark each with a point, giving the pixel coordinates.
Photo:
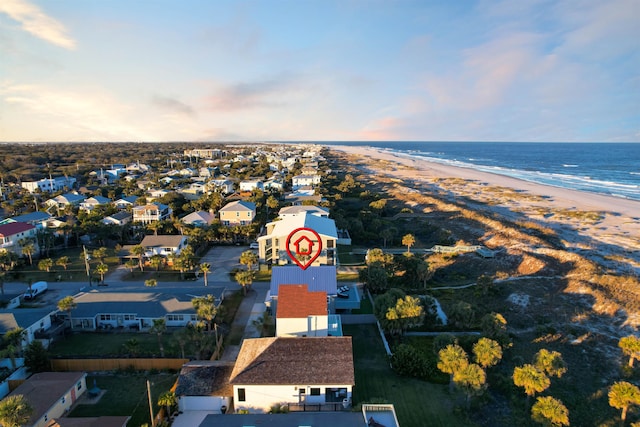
(86, 264)
(153, 423)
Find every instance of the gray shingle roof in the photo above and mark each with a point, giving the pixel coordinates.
(205, 378)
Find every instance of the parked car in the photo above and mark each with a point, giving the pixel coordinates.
(254, 245)
(35, 290)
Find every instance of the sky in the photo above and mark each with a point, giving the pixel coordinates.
(320, 70)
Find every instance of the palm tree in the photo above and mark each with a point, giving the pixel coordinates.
(159, 327)
(550, 411)
(550, 362)
(45, 264)
(151, 283)
(630, 346)
(100, 253)
(67, 304)
(131, 264)
(156, 261)
(623, 395)
(205, 308)
(487, 352)
(244, 279)
(451, 359)
(168, 400)
(63, 262)
(102, 269)
(28, 248)
(471, 379)
(205, 267)
(531, 379)
(387, 234)
(132, 346)
(15, 411)
(408, 240)
(248, 258)
(139, 251)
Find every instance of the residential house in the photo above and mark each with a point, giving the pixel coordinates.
(300, 181)
(125, 202)
(203, 385)
(302, 210)
(64, 200)
(273, 245)
(151, 212)
(134, 310)
(297, 371)
(12, 235)
(164, 245)
(159, 192)
(32, 320)
(291, 419)
(207, 153)
(90, 203)
(274, 185)
(51, 394)
(302, 196)
(37, 219)
(199, 218)
(302, 313)
(222, 185)
(252, 184)
(238, 212)
(118, 218)
(49, 185)
(316, 278)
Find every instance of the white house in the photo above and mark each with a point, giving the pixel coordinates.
(64, 200)
(50, 185)
(151, 212)
(164, 245)
(223, 185)
(238, 212)
(32, 320)
(203, 385)
(273, 245)
(250, 185)
(299, 181)
(118, 218)
(12, 233)
(301, 313)
(90, 203)
(280, 371)
(288, 211)
(125, 202)
(51, 394)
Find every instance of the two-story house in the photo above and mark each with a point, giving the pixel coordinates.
(239, 212)
(151, 212)
(12, 237)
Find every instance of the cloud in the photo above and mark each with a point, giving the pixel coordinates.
(36, 22)
(172, 105)
(268, 92)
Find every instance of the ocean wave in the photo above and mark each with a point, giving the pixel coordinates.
(570, 166)
(562, 180)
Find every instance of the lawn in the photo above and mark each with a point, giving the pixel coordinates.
(111, 344)
(415, 401)
(126, 394)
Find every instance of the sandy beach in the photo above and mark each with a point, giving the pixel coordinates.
(609, 226)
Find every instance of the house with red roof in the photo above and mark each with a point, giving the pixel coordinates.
(12, 233)
(302, 313)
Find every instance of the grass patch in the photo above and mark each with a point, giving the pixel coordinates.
(365, 307)
(126, 394)
(415, 401)
(105, 344)
(348, 277)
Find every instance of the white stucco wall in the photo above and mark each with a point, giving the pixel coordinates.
(203, 403)
(312, 326)
(260, 398)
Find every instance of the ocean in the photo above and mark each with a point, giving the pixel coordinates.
(606, 168)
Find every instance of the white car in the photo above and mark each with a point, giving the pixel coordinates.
(254, 245)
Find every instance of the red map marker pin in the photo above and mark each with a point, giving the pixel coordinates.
(304, 246)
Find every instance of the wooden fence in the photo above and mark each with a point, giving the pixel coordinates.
(90, 365)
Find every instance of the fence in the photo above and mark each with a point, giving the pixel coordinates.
(315, 407)
(90, 365)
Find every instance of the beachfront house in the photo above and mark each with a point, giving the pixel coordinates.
(273, 245)
(303, 313)
(293, 372)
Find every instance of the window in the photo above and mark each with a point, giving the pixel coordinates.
(175, 317)
(314, 391)
(79, 386)
(241, 395)
(62, 400)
